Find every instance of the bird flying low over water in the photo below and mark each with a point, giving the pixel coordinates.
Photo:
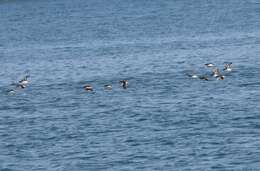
(88, 88)
(220, 77)
(227, 66)
(204, 78)
(215, 72)
(209, 65)
(23, 82)
(21, 86)
(124, 83)
(193, 74)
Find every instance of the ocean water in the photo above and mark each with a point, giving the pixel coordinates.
(164, 120)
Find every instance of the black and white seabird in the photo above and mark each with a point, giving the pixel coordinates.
(21, 86)
(227, 67)
(209, 65)
(23, 82)
(88, 88)
(124, 83)
(220, 77)
(193, 75)
(215, 72)
(204, 78)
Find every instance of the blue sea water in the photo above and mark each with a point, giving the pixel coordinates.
(164, 120)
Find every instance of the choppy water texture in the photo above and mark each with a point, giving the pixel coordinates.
(164, 120)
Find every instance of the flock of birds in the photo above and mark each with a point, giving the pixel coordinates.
(23, 83)
(215, 73)
(124, 84)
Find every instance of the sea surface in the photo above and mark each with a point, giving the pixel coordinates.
(164, 120)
